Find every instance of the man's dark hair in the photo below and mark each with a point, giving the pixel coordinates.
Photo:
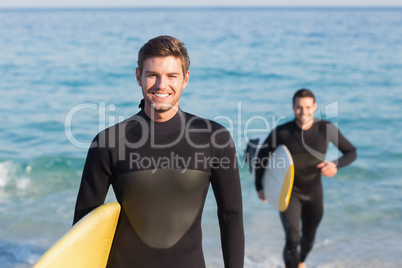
(303, 93)
(164, 46)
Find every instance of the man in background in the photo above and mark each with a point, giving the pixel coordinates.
(307, 140)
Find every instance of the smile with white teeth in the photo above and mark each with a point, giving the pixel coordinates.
(160, 95)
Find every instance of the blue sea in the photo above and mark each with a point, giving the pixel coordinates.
(66, 74)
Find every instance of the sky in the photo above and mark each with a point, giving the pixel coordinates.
(175, 3)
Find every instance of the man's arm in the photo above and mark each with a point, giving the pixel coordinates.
(261, 164)
(348, 150)
(225, 182)
(95, 181)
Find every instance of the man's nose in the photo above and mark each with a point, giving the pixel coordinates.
(161, 82)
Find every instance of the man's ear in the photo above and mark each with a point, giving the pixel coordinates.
(186, 77)
(138, 76)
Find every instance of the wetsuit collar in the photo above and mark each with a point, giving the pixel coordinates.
(167, 127)
(305, 131)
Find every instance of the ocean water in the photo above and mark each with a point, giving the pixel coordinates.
(67, 74)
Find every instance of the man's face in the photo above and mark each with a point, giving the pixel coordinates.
(162, 81)
(304, 109)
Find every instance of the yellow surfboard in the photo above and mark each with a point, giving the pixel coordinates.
(88, 242)
(278, 178)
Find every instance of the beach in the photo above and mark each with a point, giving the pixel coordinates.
(67, 74)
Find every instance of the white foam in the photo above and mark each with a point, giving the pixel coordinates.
(360, 263)
(269, 260)
(5, 173)
(12, 175)
(324, 243)
(23, 183)
(24, 255)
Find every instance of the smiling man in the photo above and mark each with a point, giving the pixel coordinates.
(152, 160)
(307, 140)
(162, 79)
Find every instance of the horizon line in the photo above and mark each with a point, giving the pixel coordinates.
(203, 7)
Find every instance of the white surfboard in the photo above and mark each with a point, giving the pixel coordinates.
(278, 178)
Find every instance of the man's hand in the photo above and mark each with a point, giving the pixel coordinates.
(262, 196)
(328, 169)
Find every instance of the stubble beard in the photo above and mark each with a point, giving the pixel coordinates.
(306, 123)
(161, 107)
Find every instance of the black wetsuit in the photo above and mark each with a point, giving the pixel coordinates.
(160, 173)
(308, 149)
